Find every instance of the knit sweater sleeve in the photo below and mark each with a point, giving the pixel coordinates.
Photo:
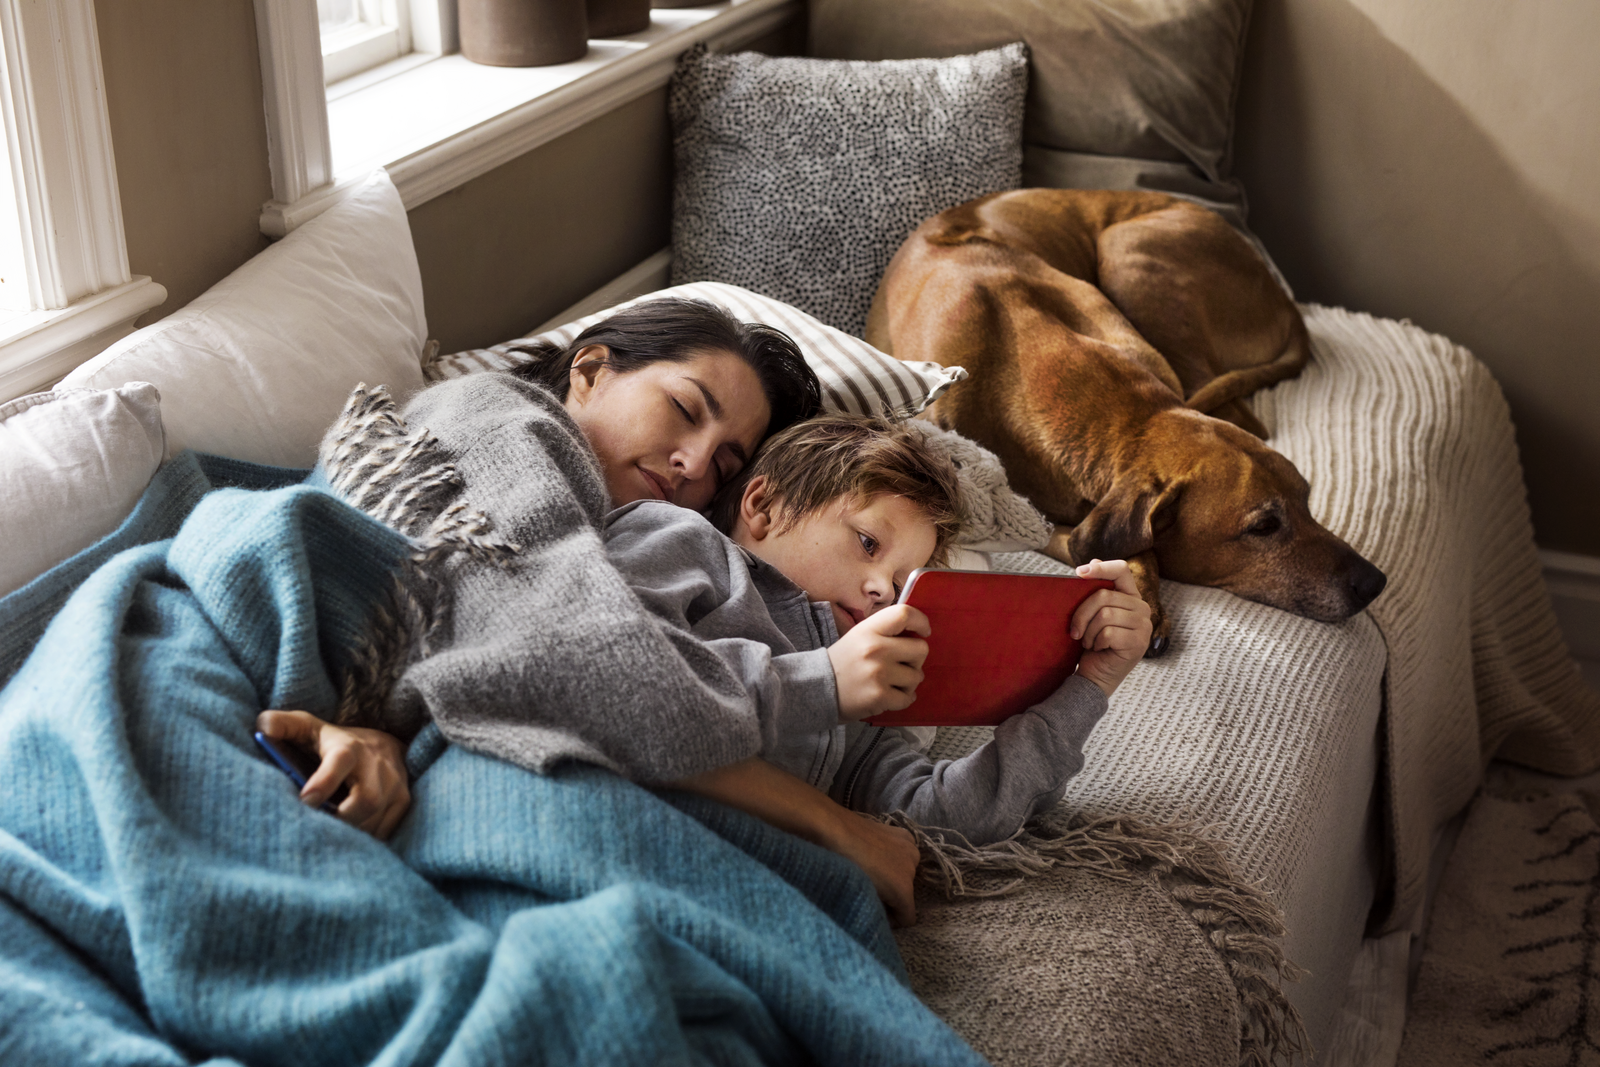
(550, 656)
(986, 795)
(696, 582)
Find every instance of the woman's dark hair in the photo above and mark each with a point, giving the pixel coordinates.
(675, 330)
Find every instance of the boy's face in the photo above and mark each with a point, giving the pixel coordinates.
(854, 557)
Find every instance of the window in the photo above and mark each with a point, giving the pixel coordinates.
(430, 117)
(360, 34)
(67, 291)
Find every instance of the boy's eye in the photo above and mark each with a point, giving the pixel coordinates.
(869, 544)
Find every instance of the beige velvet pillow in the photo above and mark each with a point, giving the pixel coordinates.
(1148, 79)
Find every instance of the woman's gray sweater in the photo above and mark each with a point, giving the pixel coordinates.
(701, 583)
(548, 655)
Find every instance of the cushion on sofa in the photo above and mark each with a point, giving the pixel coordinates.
(72, 465)
(1122, 93)
(799, 178)
(257, 366)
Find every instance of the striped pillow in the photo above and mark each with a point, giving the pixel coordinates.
(856, 378)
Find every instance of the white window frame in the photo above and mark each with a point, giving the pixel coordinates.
(490, 115)
(382, 35)
(66, 233)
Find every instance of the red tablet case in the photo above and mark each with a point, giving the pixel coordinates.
(999, 645)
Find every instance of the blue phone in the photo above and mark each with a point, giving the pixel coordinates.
(299, 765)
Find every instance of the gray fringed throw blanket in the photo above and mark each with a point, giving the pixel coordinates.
(521, 641)
(1108, 941)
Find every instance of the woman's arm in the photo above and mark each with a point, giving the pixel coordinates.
(886, 853)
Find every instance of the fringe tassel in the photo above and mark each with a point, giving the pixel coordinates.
(1237, 918)
(397, 475)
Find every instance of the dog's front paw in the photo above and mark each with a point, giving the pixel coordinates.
(1160, 632)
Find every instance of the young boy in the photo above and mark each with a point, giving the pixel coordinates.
(822, 530)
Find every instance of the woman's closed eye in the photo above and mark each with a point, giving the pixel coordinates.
(725, 466)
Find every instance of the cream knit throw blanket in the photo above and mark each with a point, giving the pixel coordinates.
(1408, 445)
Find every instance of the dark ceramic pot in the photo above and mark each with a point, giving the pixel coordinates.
(523, 33)
(613, 18)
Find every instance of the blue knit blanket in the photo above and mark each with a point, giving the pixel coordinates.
(166, 899)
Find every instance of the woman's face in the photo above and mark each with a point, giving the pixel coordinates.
(669, 431)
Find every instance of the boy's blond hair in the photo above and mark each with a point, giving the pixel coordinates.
(813, 463)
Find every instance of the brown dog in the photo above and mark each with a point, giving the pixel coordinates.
(1100, 329)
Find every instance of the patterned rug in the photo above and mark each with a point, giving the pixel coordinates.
(1511, 968)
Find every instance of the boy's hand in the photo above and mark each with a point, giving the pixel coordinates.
(877, 665)
(1113, 624)
(371, 762)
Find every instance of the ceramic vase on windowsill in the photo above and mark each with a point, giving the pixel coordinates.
(523, 33)
(617, 18)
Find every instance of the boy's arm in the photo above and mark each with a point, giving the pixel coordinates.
(986, 795)
(989, 794)
(886, 853)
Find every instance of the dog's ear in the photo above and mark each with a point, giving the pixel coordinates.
(1124, 523)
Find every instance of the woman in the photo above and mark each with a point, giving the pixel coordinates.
(543, 654)
(674, 395)
(552, 657)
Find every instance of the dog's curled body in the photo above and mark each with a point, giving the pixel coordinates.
(1109, 338)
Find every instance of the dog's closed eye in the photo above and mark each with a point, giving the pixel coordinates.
(1265, 526)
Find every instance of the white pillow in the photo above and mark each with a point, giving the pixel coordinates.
(258, 366)
(72, 465)
(856, 378)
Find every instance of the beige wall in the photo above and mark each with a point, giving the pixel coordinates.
(1439, 160)
(498, 255)
(183, 85)
(506, 251)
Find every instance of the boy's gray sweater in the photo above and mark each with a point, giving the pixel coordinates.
(701, 583)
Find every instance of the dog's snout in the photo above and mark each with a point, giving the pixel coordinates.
(1366, 582)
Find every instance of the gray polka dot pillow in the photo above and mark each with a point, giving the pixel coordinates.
(799, 178)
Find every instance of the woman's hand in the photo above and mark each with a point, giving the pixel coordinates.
(1113, 624)
(886, 853)
(370, 762)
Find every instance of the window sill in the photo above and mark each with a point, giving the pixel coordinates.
(38, 347)
(438, 124)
